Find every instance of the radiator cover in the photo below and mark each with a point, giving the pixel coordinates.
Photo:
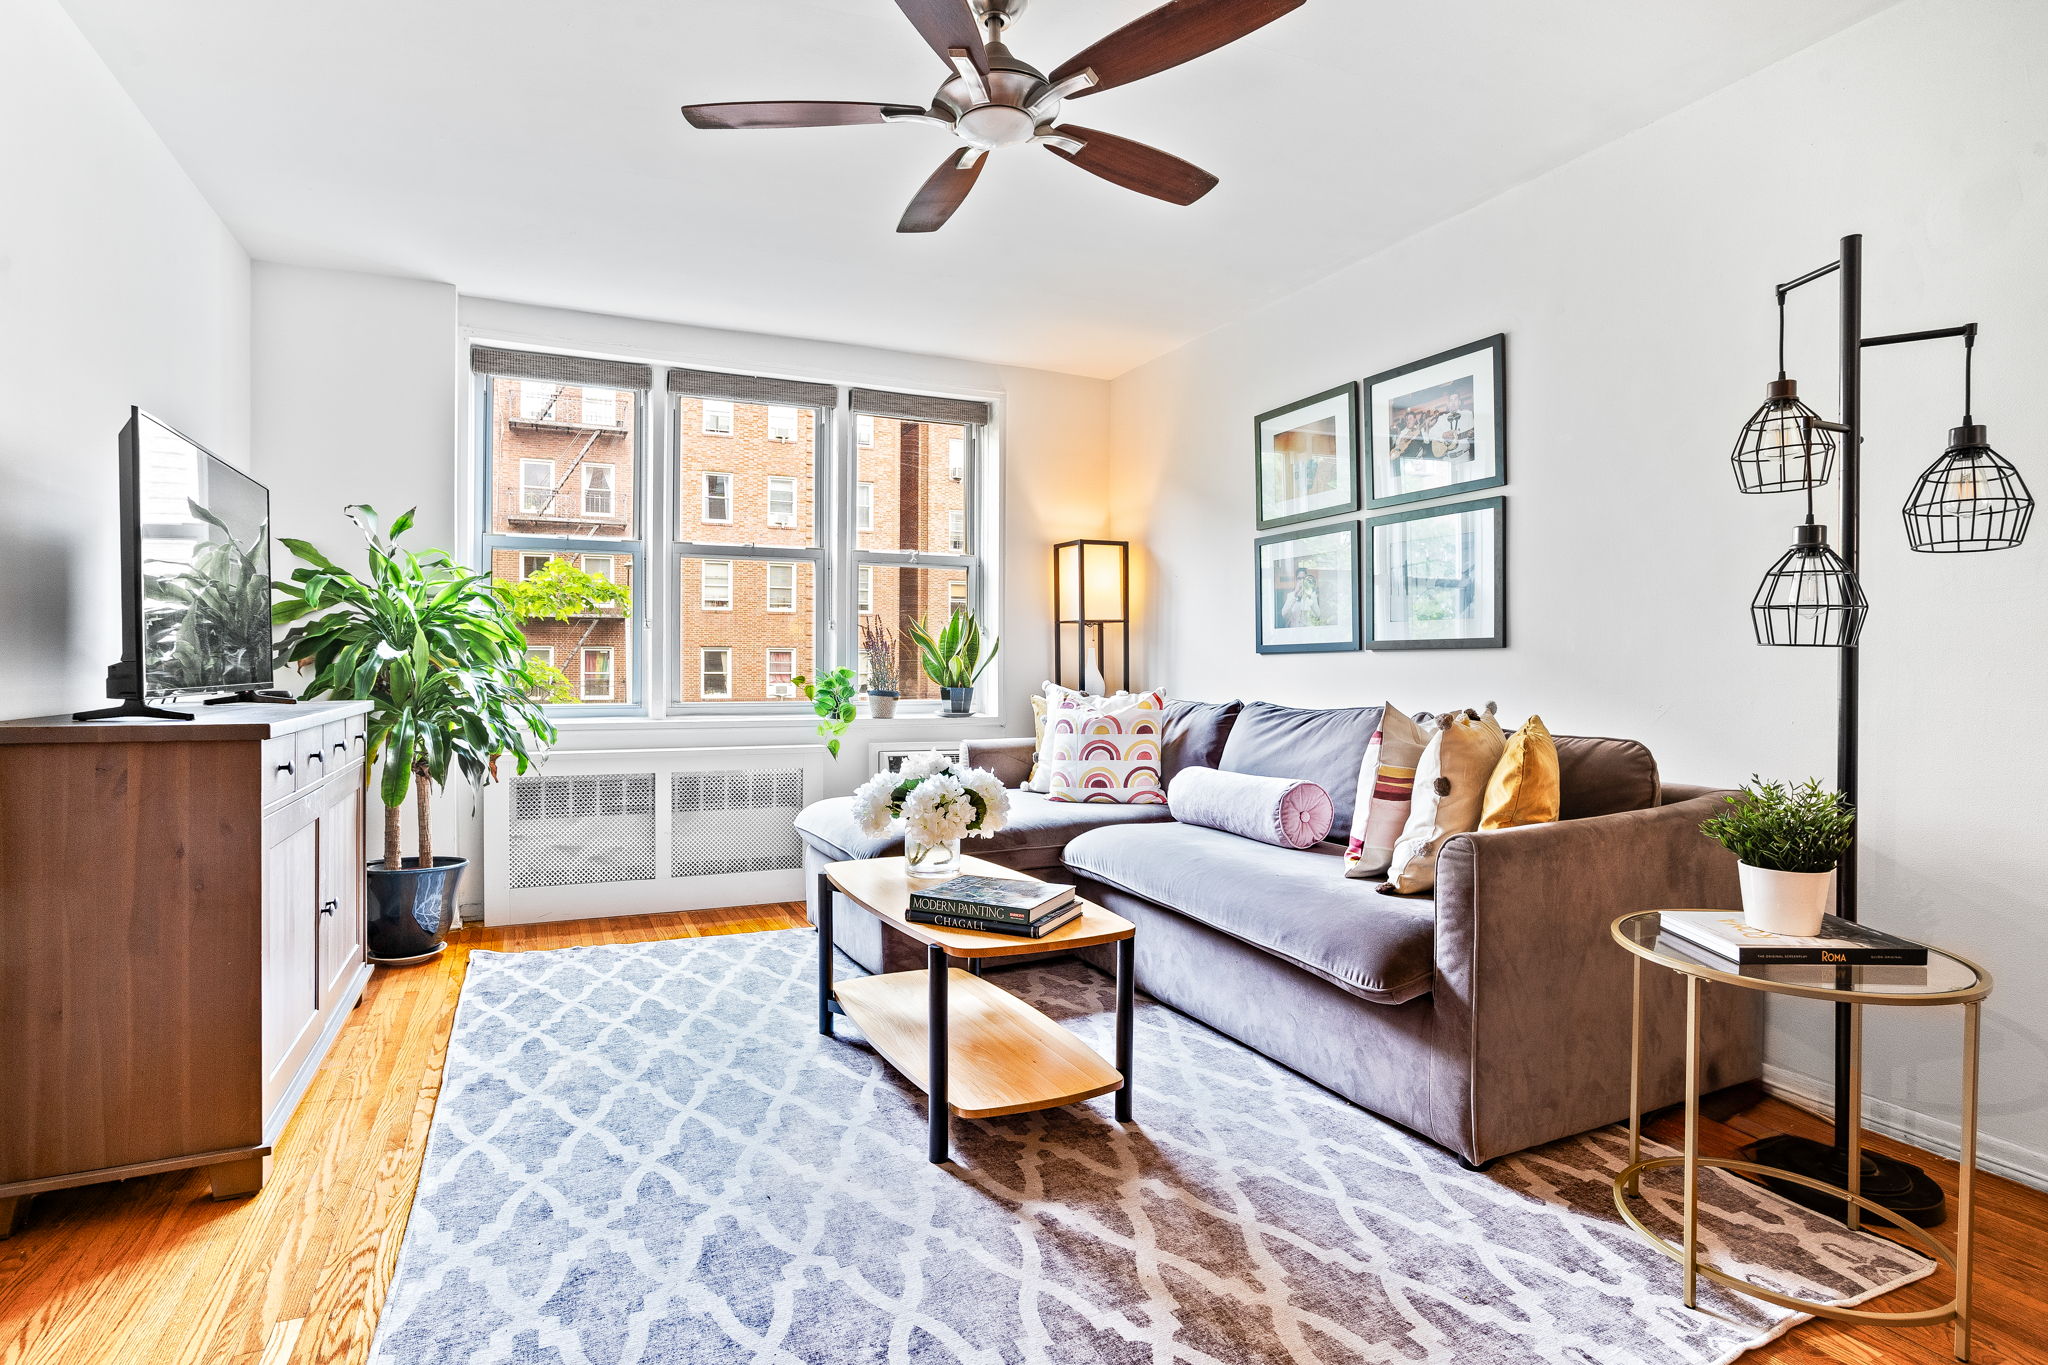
(596, 833)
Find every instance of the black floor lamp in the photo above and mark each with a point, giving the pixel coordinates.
(1970, 499)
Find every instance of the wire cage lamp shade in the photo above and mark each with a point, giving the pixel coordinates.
(1809, 597)
(1969, 500)
(1784, 446)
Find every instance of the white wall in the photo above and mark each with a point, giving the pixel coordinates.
(1635, 288)
(118, 286)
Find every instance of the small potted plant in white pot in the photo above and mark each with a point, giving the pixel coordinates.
(878, 646)
(1788, 841)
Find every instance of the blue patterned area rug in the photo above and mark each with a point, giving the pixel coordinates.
(647, 1155)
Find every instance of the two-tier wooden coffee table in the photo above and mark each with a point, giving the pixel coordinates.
(974, 1049)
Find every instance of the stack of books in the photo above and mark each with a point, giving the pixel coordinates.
(995, 905)
(1839, 943)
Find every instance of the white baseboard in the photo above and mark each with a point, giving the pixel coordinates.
(1939, 1136)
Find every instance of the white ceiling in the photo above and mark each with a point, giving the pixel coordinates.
(531, 150)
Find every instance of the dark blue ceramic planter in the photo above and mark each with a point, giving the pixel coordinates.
(411, 908)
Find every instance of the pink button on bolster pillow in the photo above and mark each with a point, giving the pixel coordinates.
(1282, 811)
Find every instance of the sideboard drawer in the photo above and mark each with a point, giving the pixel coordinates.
(281, 767)
(313, 762)
(334, 743)
(358, 736)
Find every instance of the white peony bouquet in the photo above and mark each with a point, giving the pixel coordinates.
(939, 802)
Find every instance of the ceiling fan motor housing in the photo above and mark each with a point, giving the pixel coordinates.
(1015, 107)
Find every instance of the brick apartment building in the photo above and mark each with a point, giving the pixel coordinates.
(746, 477)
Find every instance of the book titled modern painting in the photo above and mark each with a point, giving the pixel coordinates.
(1438, 426)
(1308, 458)
(1439, 577)
(1308, 599)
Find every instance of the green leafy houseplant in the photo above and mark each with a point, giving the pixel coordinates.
(1782, 828)
(432, 647)
(831, 698)
(955, 656)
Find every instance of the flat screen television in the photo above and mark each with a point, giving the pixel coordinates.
(195, 575)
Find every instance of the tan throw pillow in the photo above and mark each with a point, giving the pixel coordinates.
(1041, 775)
(1386, 789)
(1524, 789)
(1450, 794)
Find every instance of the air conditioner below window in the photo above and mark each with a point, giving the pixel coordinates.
(781, 691)
(782, 521)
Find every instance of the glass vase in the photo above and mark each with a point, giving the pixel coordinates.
(928, 862)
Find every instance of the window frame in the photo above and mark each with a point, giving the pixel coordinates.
(611, 473)
(702, 690)
(792, 485)
(796, 423)
(796, 579)
(553, 490)
(768, 666)
(583, 410)
(704, 477)
(527, 389)
(542, 555)
(864, 505)
(731, 416)
(610, 575)
(611, 673)
(863, 590)
(631, 680)
(703, 586)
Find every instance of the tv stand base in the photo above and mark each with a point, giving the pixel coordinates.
(273, 698)
(132, 706)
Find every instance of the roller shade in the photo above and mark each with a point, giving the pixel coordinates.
(752, 388)
(560, 369)
(919, 407)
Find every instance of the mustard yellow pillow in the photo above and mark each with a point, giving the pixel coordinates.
(1524, 789)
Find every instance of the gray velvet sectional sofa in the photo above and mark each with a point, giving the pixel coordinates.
(1490, 1017)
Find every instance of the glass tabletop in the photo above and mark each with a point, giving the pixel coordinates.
(1944, 980)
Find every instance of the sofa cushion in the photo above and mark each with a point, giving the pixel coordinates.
(1195, 734)
(1293, 903)
(1323, 747)
(1604, 776)
(1038, 831)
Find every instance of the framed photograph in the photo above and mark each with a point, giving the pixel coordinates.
(1438, 426)
(1307, 583)
(889, 758)
(1439, 577)
(1308, 458)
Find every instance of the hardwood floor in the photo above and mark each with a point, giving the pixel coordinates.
(153, 1272)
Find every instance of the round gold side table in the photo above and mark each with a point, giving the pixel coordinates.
(1945, 980)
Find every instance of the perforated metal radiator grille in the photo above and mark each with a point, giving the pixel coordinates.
(571, 831)
(726, 822)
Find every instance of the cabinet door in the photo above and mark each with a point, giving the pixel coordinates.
(291, 1003)
(340, 909)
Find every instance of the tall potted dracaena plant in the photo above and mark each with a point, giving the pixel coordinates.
(441, 658)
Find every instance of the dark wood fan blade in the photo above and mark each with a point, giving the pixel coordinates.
(947, 24)
(942, 194)
(1135, 166)
(789, 114)
(1177, 32)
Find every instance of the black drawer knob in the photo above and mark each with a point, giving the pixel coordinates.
(329, 907)
(284, 767)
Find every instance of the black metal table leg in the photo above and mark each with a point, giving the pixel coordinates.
(825, 894)
(939, 1115)
(1126, 964)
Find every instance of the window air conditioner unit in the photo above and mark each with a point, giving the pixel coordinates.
(782, 690)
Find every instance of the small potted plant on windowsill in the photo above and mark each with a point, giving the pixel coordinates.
(955, 658)
(1789, 841)
(878, 647)
(441, 657)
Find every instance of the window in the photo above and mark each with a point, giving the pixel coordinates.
(529, 565)
(781, 668)
(718, 497)
(601, 566)
(866, 594)
(536, 486)
(597, 490)
(782, 587)
(714, 674)
(714, 585)
(541, 654)
(781, 500)
(956, 530)
(597, 674)
(717, 417)
(956, 597)
(864, 429)
(537, 400)
(600, 408)
(956, 457)
(782, 424)
(864, 507)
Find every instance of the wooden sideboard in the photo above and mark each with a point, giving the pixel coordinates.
(181, 938)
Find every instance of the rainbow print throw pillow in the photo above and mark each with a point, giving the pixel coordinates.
(1107, 749)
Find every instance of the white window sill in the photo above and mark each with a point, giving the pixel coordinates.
(805, 721)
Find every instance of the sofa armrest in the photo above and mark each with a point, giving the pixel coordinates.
(1008, 759)
(1527, 967)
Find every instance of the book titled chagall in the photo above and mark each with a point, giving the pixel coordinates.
(1839, 942)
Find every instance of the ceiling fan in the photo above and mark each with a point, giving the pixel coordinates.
(994, 99)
